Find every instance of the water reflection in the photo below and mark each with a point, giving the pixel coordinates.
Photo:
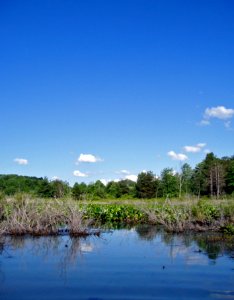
(65, 250)
(212, 244)
(142, 263)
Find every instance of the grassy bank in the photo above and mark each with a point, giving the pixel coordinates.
(22, 214)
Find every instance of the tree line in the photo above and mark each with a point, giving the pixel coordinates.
(212, 177)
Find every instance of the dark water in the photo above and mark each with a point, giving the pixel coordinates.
(141, 263)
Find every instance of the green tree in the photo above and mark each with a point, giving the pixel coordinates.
(96, 190)
(230, 177)
(45, 189)
(213, 169)
(113, 189)
(169, 183)
(127, 187)
(186, 176)
(198, 180)
(146, 185)
(60, 188)
(79, 191)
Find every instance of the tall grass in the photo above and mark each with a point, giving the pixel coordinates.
(21, 215)
(25, 215)
(202, 215)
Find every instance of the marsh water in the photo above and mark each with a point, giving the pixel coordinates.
(139, 263)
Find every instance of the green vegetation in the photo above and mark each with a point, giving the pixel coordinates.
(40, 187)
(25, 215)
(213, 177)
(199, 199)
(112, 215)
(228, 229)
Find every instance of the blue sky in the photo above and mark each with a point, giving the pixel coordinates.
(130, 83)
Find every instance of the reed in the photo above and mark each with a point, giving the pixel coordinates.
(41, 217)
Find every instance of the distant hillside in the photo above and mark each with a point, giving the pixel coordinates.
(42, 187)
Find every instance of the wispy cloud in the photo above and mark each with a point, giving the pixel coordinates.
(21, 161)
(204, 123)
(177, 156)
(194, 149)
(77, 173)
(88, 158)
(227, 124)
(123, 172)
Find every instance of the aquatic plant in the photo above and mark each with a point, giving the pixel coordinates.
(26, 215)
(113, 213)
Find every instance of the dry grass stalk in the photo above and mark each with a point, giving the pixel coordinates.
(42, 217)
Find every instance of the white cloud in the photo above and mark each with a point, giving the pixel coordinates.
(55, 178)
(194, 149)
(227, 124)
(201, 145)
(88, 158)
(219, 112)
(105, 181)
(177, 156)
(21, 161)
(77, 173)
(131, 177)
(123, 172)
(85, 247)
(204, 123)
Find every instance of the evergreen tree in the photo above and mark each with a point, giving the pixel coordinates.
(146, 185)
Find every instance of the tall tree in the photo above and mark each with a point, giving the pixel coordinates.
(146, 185)
(60, 188)
(113, 189)
(215, 174)
(199, 181)
(169, 183)
(229, 178)
(186, 176)
(79, 191)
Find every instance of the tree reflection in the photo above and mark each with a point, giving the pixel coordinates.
(215, 245)
(64, 251)
(211, 244)
(146, 232)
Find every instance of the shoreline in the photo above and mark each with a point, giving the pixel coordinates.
(42, 217)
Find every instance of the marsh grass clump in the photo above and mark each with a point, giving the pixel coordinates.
(228, 229)
(173, 218)
(200, 216)
(24, 215)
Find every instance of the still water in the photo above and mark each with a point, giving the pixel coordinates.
(141, 263)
